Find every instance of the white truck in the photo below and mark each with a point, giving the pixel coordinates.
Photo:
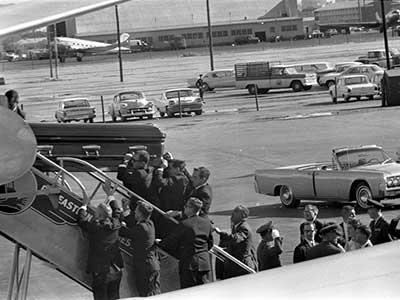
(260, 77)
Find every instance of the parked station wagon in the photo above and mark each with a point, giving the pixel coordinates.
(354, 174)
(75, 109)
(215, 79)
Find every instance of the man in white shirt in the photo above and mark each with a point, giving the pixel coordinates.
(348, 212)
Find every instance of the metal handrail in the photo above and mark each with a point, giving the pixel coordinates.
(215, 250)
(85, 198)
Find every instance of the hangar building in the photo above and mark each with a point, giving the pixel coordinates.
(158, 22)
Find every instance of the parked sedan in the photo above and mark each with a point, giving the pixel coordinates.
(130, 105)
(215, 79)
(328, 77)
(354, 174)
(189, 101)
(75, 109)
(356, 86)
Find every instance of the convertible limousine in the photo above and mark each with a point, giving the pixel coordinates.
(354, 174)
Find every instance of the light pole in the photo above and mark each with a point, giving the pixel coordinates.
(121, 75)
(385, 34)
(210, 42)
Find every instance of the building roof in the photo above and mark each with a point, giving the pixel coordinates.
(342, 5)
(160, 14)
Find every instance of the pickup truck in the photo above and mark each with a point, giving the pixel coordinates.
(378, 57)
(260, 77)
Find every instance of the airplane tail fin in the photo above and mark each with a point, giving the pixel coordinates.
(124, 37)
(378, 18)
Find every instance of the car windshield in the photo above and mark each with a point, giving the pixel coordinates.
(132, 96)
(76, 103)
(357, 157)
(375, 54)
(341, 68)
(356, 80)
(183, 93)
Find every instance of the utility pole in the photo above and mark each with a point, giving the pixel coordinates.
(121, 75)
(55, 51)
(210, 42)
(385, 34)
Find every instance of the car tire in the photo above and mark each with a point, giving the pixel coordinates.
(307, 87)
(206, 87)
(358, 98)
(334, 99)
(346, 98)
(287, 198)
(114, 118)
(263, 91)
(362, 195)
(198, 112)
(252, 89)
(370, 97)
(150, 117)
(85, 120)
(91, 120)
(123, 119)
(296, 86)
(170, 114)
(162, 114)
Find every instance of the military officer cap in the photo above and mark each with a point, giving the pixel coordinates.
(331, 227)
(374, 204)
(265, 227)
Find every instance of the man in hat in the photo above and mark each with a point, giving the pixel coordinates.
(329, 244)
(104, 261)
(270, 247)
(239, 243)
(379, 226)
(190, 243)
(310, 215)
(146, 265)
(307, 233)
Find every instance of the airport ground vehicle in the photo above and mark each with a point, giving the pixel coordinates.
(261, 77)
(130, 104)
(248, 39)
(139, 46)
(328, 77)
(353, 86)
(354, 174)
(75, 109)
(215, 79)
(378, 57)
(190, 102)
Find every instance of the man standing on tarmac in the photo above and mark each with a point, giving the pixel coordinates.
(200, 86)
(190, 242)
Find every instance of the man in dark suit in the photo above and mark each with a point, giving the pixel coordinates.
(307, 231)
(379, 226)
(239, 243)
(200, 189)
(190, 243)
(104, 257)
(135, 174)
(348, 213)
(310, 214)
(329, 244)
(146, 265)
(394, 232)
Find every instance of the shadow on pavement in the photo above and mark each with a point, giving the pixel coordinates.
(326, 210)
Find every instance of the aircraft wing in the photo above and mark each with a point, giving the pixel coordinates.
(370, 273)
(24, 15)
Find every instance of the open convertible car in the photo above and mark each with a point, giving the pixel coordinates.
(355, 174)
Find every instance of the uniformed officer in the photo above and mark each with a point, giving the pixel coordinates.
(379, 226)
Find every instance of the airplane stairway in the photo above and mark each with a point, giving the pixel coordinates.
(38, 212)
